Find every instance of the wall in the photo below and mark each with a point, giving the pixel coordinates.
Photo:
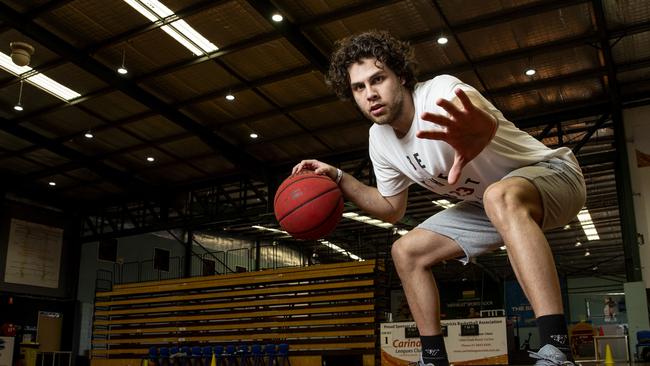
(637, 131)
(586, 297)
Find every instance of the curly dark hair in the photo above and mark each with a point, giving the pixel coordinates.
(388, 50)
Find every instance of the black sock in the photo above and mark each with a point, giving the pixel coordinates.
(553, 330)
(433, 350)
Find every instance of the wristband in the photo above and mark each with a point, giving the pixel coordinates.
(339, 175)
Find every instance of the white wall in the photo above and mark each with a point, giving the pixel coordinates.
(637, 131)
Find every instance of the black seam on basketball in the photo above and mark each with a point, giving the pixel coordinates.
(328, 217)
(304, 203)
(277, 194)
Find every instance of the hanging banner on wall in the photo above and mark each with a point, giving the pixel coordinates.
(468, 342)
(33, 254)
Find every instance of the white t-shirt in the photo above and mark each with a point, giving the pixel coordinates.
(400, 162)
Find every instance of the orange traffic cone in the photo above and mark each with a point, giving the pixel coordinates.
(609, 359)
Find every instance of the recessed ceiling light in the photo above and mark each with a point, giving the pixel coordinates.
(531, 72)
(443, 40)
(151, 159)
(230, 97)
(89, 135)
(277, 18)
(254, 135)
(52, 183)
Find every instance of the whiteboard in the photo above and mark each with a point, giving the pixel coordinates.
(33, 254)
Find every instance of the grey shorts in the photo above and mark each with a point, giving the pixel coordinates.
(563, 195)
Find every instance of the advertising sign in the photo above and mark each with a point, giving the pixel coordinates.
(479, 341)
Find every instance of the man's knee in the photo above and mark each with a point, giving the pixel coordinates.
(513, 197)
(407, 254)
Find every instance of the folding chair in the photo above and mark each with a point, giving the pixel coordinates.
(244, 355)
(643, 343)
(270, 355)
(207, 355)
(257, 356)
(231, 355)
(218, 355)
(283, 354)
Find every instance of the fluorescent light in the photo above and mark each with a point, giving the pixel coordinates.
(340, 250)
(178, 29)
(39, 80)
(367, 220)
(588, 225)
(444, 203)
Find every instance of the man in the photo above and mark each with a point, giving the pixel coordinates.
(445, 136)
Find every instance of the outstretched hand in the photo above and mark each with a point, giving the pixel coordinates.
(468, 130)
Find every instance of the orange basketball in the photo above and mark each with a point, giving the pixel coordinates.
(308, 206)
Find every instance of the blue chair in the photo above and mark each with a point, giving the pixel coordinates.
(164, 356)
(218, 354)
(270, 355)
(185, 355)
(174, 356)
(197, 356)
(231, 355)
(153, 353)
(244, 355)
(257, 355)
(643, 343)
(207, 355)
(283, 354)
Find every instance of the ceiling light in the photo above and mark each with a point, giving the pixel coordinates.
(89, 135)
(578, 244)
(443, 203)
(595, 268)
(588, 225)
(37, 79)
(52, 183)
(19, 105)
(443, 40)
(151, 159)
(567, 227)
(340, 250)
(122, 69)
(503, 247)
(230, 97)
(587, 253)
(531, 72)
(182, 32)
(254, 135)
(277, 17)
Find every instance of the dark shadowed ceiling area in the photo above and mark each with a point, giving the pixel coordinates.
(591, 61)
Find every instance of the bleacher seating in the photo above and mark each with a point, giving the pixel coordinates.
(316, 309)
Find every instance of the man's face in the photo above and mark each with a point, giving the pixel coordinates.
(378, 92)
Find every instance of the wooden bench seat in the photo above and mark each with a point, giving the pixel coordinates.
(315, 309)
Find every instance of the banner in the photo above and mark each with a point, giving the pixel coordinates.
(468, 342)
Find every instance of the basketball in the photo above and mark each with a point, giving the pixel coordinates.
(308, 206)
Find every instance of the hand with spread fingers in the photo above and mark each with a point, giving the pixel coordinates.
(468, 130)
